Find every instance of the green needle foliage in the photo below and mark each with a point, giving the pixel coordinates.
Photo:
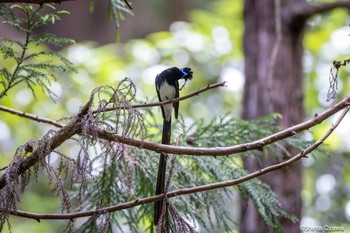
(228, 131)
(24, 64)
(104, 173)
(116, 8)
(129, 173)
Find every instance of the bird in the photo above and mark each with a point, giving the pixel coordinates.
(167, 86)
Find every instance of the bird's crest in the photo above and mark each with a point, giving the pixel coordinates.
(187, 73)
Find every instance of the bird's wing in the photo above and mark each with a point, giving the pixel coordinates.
(176, 104)
(160, 101)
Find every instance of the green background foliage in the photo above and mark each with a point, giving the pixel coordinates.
(216, 55)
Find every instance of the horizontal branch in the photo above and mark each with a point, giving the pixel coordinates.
(57, 124)
(216, 151)
(305, 10)
(66, 132)
(203, 89)
(74, 127)
(31, 116)
(185, 191)
(223, 151)
(48, 144)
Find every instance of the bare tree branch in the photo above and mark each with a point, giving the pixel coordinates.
(74, 127)
(67, 131)
(305, 11)
(128, 4)
(49, 144)
(203, 89)
(186, 191)
(218, 151)
(31, 116)
(223, 151)
(57, 124)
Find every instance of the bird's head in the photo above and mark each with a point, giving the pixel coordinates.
(186, 73)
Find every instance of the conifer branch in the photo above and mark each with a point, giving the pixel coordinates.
(203, 89)
(31, 116)
(29, 67)
(302, 10)
(48, 1)
(57, 124)
(224, 151)
(74, 127)
(186, 191)
(49, 144)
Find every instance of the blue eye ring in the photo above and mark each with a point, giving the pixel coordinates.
(183, 72)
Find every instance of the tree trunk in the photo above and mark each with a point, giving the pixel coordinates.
(273, 84)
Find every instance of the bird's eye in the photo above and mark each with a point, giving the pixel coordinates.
(183, 72)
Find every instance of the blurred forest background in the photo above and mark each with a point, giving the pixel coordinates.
(206, 36)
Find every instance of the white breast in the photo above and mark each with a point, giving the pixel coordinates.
(167, 92)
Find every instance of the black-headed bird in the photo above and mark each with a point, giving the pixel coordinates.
(167, 85)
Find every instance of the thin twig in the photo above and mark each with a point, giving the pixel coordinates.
(74, 127)
(186, 191)
(128, 4)
(203, 89)
(57, 124)
(66, 132)
(31, 116)
(303, 10)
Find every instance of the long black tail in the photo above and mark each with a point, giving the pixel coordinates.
(161, 170)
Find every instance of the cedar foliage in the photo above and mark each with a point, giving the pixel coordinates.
(103, 173)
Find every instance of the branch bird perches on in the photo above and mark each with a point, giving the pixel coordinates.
(186, 191)
(181, 150)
